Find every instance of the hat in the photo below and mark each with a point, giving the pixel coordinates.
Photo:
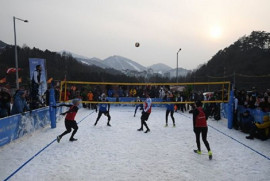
(75, 101)
(20, 92)
(198, 103)
(247, 111)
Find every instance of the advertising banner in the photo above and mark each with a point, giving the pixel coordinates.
(16, 126)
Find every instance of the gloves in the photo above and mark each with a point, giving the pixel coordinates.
(62, 114)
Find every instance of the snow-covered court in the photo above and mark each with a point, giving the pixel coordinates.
(121, 152)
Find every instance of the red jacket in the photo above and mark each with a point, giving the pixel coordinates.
(71, 115)
(200, 118)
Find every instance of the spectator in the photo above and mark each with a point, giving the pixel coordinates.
(57, 94)
(110, 92)
(246, 101)
(36, 82)
(265, 104)
(5, 99)
(241, 98)
(182, 99)
(90, 97)
(161, 93)
(251, 102)
(19, 105)
(258, 101)
(247, 121)
(235, 111)
(63, 97)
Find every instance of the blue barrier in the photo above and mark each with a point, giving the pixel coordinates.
(230, 110)
(18, 125)
(51, 109)
(256, 113)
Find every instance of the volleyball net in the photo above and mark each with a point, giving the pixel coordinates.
(128, 93)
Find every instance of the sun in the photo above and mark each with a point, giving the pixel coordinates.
(216, 32)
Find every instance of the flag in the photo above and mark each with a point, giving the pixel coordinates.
(20, 80)
(50, 80)
(3, 80)
(12, 70)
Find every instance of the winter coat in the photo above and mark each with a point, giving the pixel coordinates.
(19, 104)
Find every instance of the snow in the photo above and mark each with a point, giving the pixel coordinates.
(134, 66)
(121, 152)
(122, 63)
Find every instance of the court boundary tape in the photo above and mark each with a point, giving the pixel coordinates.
(233, 139)
(25, 163)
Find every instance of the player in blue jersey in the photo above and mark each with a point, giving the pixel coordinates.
(104, 109)
(170, 110)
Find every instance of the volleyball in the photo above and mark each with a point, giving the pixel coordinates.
(137, 44)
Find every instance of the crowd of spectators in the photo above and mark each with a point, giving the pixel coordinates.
(19, 101)
(247, 105)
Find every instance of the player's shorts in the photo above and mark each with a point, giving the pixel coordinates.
(145, 116)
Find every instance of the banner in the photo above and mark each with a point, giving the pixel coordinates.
(16, 126)
(33, 62)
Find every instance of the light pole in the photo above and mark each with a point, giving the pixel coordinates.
(177, 65)
(16, 57)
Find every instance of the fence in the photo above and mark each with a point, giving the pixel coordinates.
(16, 126)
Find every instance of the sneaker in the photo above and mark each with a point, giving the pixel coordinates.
(73, 139)
(174, 125)
(108, 124)
(166, 125)
(148, 130)
(140, 129)
(210, 155)
(58, 138)
(250, 137)
(197, 151)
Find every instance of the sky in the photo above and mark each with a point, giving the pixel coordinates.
(103, 28)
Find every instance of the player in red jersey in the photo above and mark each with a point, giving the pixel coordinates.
(147, 107)
(200, 126)
(70, 120)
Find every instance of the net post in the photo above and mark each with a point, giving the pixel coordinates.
(223, 92)
(52, 110)
(65, 94)
(230, 110)
(61, 89)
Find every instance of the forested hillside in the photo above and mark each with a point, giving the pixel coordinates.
(246, 61)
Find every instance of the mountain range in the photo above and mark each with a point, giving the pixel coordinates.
(124, 65)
